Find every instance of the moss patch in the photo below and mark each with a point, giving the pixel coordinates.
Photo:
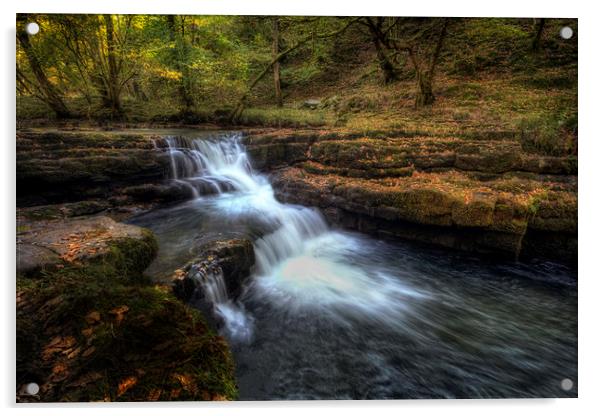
(100, 331)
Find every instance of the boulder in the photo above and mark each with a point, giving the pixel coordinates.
(312, 104)
(98, 311)
(231, 259)
(47, 245)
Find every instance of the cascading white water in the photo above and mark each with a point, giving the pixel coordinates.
(211, 281)
(301, 263)
(211, 166)
(225, 166)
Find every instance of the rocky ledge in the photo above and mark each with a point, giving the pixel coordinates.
(452, 210)
(70, 166)
(223, 266)
(479, 193)
(232, 259)
(92, 327)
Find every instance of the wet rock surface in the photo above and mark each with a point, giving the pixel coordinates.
(54, 167)
(233, 258)
(46, 245)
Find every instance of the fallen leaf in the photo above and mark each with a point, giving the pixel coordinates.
(119, 312)
(175, 393)
(59, 368)
(218, 397)
(87, 332)
(126, 384)
(119, 309)
(74, 353)
(56, 345)
(154, 395)
(89, 351)
(93, 317)
(187, 382)
(53, 302)
(59, 373)
(86, 379)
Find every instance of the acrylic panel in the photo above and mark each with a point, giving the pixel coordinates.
(295, 207)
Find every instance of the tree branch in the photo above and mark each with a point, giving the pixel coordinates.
(241, 102)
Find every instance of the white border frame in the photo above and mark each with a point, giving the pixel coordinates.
(590, 152)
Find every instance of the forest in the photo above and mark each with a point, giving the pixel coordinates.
(300, 71)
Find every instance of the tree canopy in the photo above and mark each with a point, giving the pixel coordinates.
(112, 66)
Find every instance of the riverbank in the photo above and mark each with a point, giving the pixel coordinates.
(477, 192)
(92, 327)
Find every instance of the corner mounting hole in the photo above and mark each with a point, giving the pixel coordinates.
(566, 32)
(32, 28)
(32, 389)
(566, 384)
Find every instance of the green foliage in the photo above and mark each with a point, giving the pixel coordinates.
(549, 134)
(195, 69)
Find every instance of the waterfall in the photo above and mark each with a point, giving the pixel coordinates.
(300, 261)
(211, 166)
(210, 279)
(221, 166)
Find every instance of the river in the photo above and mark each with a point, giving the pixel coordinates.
(330, 314)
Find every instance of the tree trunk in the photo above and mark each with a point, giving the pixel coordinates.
(537, 38)
(276, 66)
(184, 87)
(385, 64)
(240, 106)
(425, 78)
(379, 39)
(49, 93)
(113, 87)
(425, 94)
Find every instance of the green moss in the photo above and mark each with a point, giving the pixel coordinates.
(549, 134)
(131, 256)
(283, 117)
(23, 228)
(137, 332)
(50, 212)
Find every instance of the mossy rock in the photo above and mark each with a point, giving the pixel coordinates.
(96, 241)
(477, 211)
(89, 339)
(96, 329)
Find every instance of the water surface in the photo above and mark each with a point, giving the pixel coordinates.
(329, 314)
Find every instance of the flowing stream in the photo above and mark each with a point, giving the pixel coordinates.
(329, 314)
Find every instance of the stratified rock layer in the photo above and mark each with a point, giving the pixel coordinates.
(54, 167)
(474, 194)
(481, 192)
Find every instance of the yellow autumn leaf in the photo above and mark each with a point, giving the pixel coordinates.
(126, 384)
